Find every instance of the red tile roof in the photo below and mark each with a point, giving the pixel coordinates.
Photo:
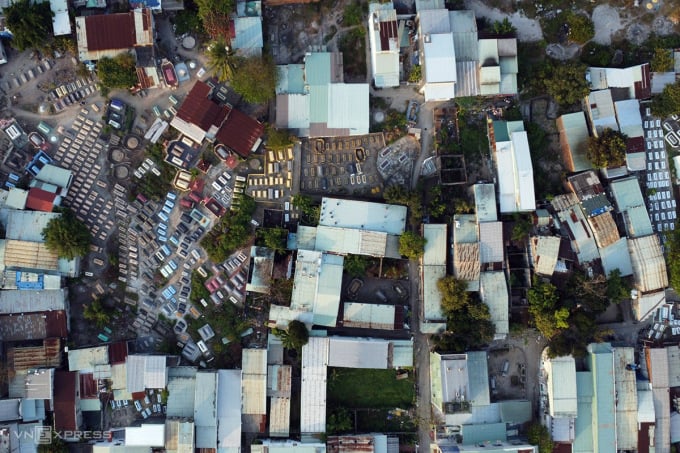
(199, 110)
(40, 200)
(240, 132)
(643, 89)
(65, 387)
(55, 324)
(110, 31)
(88, 386)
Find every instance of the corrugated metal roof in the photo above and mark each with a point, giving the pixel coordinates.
(402, 353)
(313, 391)
(488, 432)
(28, 225)
(279, 417)
(32, 256)
(348, 107)
(291, 79)
(491, 246)
(464, 27)
(151, 435)
(318, 68)
(254, 381)
(439, 63)
(318, 279)
(645, 410)
(488, 52)
(205, 409)
(649, 265)
(432, 310)
(601, 110)
(179, 436)
(662, 413)
(545, 253)
(181, 389)
(617, 256)
(228, 410)
(51, 174)
(626, 399)
(439, 91)
(628, 115)
(423, 5)
(583, 425)
(601, 361)
(604, 228)
(493, 291)
(350, 241)
(358, 353)
(368, 316)
(574, 139)
(248, 37)
(22, 301)
(16, 199)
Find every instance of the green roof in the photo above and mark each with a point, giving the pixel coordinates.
(483, 432)
(515, 411)
(500, 131)
(583, 425)
(318, 68)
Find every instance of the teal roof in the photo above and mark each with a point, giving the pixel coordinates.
(478, 375)
(318, 104)
(515, 411)
(318, 68)
(583, 425)
(601, 361)
(291, 79)
(500, 131)
(474, 434)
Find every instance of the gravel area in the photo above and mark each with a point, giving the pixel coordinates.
(527, 29)
(607, 22)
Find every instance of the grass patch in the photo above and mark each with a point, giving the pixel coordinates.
(361, 388)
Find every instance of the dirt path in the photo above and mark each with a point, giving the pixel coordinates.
(527, 29)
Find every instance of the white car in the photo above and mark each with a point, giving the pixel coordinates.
(138, 406)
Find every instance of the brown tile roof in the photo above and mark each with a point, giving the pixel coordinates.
(65, 385)
(199, 110)
(40, 200)
(240, 132)
(118, 352)
(33, 326)
(26, 358)
(88, 386)
(110, 31)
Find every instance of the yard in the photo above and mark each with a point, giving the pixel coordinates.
(361, 388)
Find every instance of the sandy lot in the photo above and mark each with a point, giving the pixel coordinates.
(527, 29)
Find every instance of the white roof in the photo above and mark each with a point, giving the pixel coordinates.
(363, 215)
(313, 389)
(525, 171)
(439, 91)
(626, 401)
(358, 353)
(601, 110)
(617, 256)
(491, 248)
(368, 316)
(228, 409)
(545, 254)
(205, 409)
(351, 241)
(435, 245)
(254, 381)
(146, 372)
(181, 389)
(630, 120)
(86, 359)
(26, 301)
(440, 58)
(348, 107)
(493, 290)
(645, 412)
(384, 63)
(646, 304)
(191, 130)
(27, 225)
(16, 199)
(147, 435)
(561, 383)
(485, 202)
(61, 23)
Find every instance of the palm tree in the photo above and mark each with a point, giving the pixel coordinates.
(295, 337)
(97, 313)
(222, 59)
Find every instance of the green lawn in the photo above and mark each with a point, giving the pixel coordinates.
(360, 388)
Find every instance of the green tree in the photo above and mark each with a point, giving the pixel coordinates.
(355, 265)
(662, 60)
(274, 238)
(97, 313)
(673, 257)
(539, 435)
(279, 138)
(454, 294)
(311, 211)
(668, 102)
(565, 82)
(353, 14)
(67, 236)
(187, 21)
(617, 288)
(503, 27)
(221, 59)
(548, 318)
(231, 232)
(581, 28)
(255, 79)
(415, 74)
(294, 337)
(30, 22)
(117, 72)
(339, 421)
(214, 15)
(521, 228)
(411, 245)
(607, 150)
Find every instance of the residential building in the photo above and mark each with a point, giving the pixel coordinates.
(18, 301)
(179, 436)
(313, 390)
(510, 145)
(67, 414)
(456, 382)
(146, 372)
(600, 111)
(383, 38)
(493, 291)
(631, 206)
(369, 316)
(279, 381)
(51, 178)
(229, 411)
(146, 435)
(61, 22)
(109, 35)
(313, 100)
(560, 408)
(633, 82)
(574, 141)
(201, 118)
(205, 409)
(368, 443)
(575, 226)
(630, 124)
(254, 390)
(288, 446)
(262, 266)
(545, 254)
(432, 269)
(437, 55)
(625, 386)
(466, 250)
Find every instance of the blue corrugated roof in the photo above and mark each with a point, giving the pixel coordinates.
(583, 426)
(604, 411)
(318, 68)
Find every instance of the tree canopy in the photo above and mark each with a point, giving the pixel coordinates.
(668, 102)
(67, 236)
(97, 313)
(221, 59)
(117, 72)
(295, 336)
(232, 231)
(214, 14)
(30, 22)
(565, 82)
(255, 79)
(411, 245)
(581, 28)
(355, 265)
(607, 150)
(662, 60)
(539, 435)
(274, 238)
(548, 318)
(673, 260)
